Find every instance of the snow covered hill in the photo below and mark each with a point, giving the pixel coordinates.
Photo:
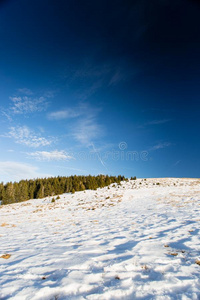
(137, 240)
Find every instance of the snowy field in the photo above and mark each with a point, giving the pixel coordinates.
(139, 240)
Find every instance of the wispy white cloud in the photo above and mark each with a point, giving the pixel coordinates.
(87, 130)
(15, 171)
(25, 136)
(160, 146)
(6, 114)
(25, 91)
(63, 114)
(84, 94)
(28, 92)
(111, 73)
(50, 93)
(157, 122)
(154, 122)
(83, 109)
(27, 105)
(90, 69)
(50, 155)
(92, 76)
(95, 76)
(117, 77)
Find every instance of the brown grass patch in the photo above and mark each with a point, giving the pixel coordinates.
(4, 224)
(5, 256)
(197, 262)
(173, 253)
(37, 210)
(145, 267)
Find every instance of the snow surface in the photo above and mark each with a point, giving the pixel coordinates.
(138, 240)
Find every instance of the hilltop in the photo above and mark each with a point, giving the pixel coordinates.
(135, 240)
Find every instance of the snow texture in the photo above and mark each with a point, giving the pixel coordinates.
(137, 240)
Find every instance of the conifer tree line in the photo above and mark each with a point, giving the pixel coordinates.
(39, 188)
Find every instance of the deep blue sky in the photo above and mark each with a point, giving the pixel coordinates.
(91, 87)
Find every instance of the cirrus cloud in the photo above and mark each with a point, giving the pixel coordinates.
(26, 105)
(160, 146)
(50, 155)
(25, 136)
(63, 114)
(25, 91)
(87, 130)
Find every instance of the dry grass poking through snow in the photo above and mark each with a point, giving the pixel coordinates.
(5, 256)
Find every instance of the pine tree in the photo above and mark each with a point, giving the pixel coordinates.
(8, 193)
(39, 188)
